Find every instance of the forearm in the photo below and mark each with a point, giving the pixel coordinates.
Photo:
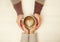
(37, 8)
(18, 8)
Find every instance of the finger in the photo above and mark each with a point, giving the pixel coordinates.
(23, 27)
(19, 17)
(38, 20)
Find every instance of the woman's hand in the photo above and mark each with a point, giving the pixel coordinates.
(36, 26)
(19, 18)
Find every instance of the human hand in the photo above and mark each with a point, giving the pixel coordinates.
(36, 25)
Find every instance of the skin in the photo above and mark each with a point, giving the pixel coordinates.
(36, 26)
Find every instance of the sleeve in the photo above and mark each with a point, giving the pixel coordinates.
(18, 8)
(29, 37)
(38, 8)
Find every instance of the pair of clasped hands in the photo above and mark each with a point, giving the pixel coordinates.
(33, 28)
